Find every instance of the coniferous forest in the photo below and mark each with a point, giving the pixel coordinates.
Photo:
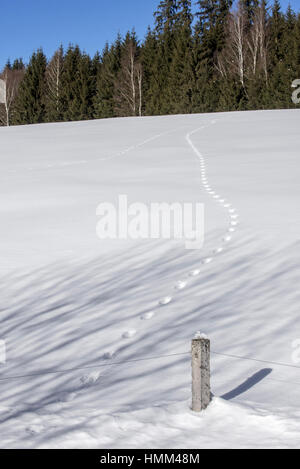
(219, 58)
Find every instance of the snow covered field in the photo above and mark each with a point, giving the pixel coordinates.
(72, 305)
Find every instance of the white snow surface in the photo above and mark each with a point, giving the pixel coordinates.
(98, 333)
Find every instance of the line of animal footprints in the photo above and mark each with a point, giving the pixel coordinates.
(181, 285)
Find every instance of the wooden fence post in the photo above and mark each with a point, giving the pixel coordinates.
(201, 395)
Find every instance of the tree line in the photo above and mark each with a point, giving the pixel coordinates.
(219, 58)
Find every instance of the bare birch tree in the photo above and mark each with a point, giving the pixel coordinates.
(53, 83)
(237, 44)
(139, 73)
(258, 42)
(128, 85)
(232, 60)
(245, 54)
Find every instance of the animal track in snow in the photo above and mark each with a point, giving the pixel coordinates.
(147, 316)
(129, 334)
(34, 429)
(180, 285)
(195, 273)
(90, 379)
(66, 396)
(108, 355)
(233, 223)
(165, 301)
(207, 261)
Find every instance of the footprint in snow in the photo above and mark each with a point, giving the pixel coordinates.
(34, 429)
(165, 301)
(129, 334)
(207, 261)
(147, 316)
(90, 379)
(180, 285)
(108, 355)
(66, 396)
(195, 273)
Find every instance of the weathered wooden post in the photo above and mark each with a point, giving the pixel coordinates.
(201, 395)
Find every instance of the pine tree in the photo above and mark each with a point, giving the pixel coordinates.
(30, 108)
(77, 85)
(276, 32)
(182, 78)
(69, 83)
(166, 18)
(296, 47)
(225, 60)
(107, 73)
(249, 7)
(152, 82)
(18, 64)
(8, 65)
(210, 39)
(85, 86)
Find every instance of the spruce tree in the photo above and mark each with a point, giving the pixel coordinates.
(209, 39)
(181, 80)
(30, 108)
(107, 73)
(153, 82)
(165, 16)
(69, 83)
(77, 85)
(18, 64)
(165, 28)
(249, 7)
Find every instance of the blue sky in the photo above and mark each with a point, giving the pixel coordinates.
(30, 24)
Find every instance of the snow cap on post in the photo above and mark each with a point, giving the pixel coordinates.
(199, 335)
